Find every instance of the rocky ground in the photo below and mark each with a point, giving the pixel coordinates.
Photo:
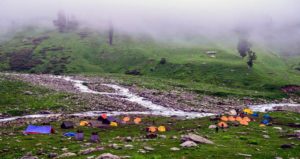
(178, 99)
(83, 101)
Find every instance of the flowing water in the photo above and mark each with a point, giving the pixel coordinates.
(154, 109)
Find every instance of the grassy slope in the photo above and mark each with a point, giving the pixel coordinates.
(187, 64)
(14, 101)
(227, 144)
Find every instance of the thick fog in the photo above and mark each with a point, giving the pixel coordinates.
(271, 22)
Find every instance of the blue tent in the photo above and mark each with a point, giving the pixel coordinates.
(265, 121)
(266, 116)
(33, 129)
(255, 114)
(70, 134)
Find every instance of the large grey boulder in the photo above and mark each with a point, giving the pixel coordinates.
(108, 156)
(195, 138)
(188, 144)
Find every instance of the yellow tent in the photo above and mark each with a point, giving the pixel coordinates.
(113, 124)
(262, 125)
(162, 129)
(84, 123)
(248, 111)
(137, 120)
(224, 118)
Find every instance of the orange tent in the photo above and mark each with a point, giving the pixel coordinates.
(224, 118)
(244, 122)
(231, 118)
(137, 120)
(152, 129)
(126, 119)
(246, 119)
(222, 124)
(238, 118)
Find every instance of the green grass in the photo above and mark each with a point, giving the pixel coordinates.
(227, 144)
(14, 101)
(187, 63)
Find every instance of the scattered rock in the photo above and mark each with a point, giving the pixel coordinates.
(278, 128)
(212, 126)
(147, 148)
(278, 158)
(128, 146)
(108, 156)
(141, 151)
(188, 144)
(266, 136)
(28, 93)
(174, 149)
(90, 150)
(52, 155)
(243, 154)
(29, 157)
(67, 154)
(195, 138)
(128, 139)
(162, 136)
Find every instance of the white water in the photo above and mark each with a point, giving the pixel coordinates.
(270, 107)
(154, 109)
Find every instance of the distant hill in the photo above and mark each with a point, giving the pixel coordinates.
(208, 63)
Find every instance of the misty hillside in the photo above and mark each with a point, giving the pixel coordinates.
(88, 52)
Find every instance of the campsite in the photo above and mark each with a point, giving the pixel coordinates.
(149, 79)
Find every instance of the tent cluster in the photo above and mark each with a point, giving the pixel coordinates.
(243, 118)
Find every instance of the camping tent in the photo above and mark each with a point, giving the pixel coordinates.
(126, 119)
(102, 117)
(231, 118)
(95, 124)
(247, 119)
(238, 118)
(137, 120)
(152, 129)
(248, 111)
(222, 124)
(109, 119)
(84, 123)
(224, 118)
(244, 122)
(33, 129)
(162, 129)
(67, 125)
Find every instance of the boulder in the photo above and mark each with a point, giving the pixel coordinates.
(67, 154)
(232, 112)
(195, 138)
(212, 126)
(188, 144)
(90, 150)
(174, 149)
(108, 156)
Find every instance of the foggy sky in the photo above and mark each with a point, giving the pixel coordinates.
(265, 20)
